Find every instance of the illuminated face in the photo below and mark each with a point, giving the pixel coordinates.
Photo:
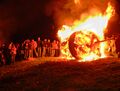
(38, 38)
(45, 40)
(48, 40)
(32, 40)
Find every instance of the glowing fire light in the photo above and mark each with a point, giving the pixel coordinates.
(76, 1)
(96, 23)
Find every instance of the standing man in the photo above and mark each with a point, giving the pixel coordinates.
(26, 49)
(39, 47)
(13, 52)
(54, 47)
(48, 49)
(44, 47)
(117, 43)
(34, 47)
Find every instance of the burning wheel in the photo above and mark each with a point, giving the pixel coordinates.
(82, 43)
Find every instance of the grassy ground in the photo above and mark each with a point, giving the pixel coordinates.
(56, 74)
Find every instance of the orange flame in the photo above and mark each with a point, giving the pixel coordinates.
(96, 23)
(76, 1)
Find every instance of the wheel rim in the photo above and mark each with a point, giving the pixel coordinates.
(81, 44)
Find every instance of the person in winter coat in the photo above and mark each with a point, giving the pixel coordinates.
(39, 47)
(13, 51)
(34, 48)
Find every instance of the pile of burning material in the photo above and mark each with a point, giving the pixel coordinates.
(85, 39)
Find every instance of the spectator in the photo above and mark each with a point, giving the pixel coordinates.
(26, 48)
(10, 45)
(54, 48)
(39, 47)
(44, 47)
(13, 53)
(18, 51)
(113, 47)
(58, 48)
(2, 60)
(117, 43)
(48, 48)
(34, 47)
(5, 54)
(21, 48)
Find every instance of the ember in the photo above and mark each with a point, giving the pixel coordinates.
(83, 39)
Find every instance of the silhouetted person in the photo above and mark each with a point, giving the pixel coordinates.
(34, 47)
(44, 47)
(6, 54)
(13, 51)
(117, 43)
(26, 48)
(39, 47)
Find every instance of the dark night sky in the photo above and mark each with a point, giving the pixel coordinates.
(21, 19)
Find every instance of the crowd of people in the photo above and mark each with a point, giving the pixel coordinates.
(29, 49)
(9, 53)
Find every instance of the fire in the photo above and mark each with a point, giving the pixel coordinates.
(93, 25)
(76, 1)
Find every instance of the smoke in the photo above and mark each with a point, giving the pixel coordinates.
(18, 16)
(8, 21)
(67, 11)
(7, 27)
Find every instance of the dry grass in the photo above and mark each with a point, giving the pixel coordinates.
(56, 74)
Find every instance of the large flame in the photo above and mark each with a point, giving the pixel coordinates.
(96, 23)
(76, 1)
